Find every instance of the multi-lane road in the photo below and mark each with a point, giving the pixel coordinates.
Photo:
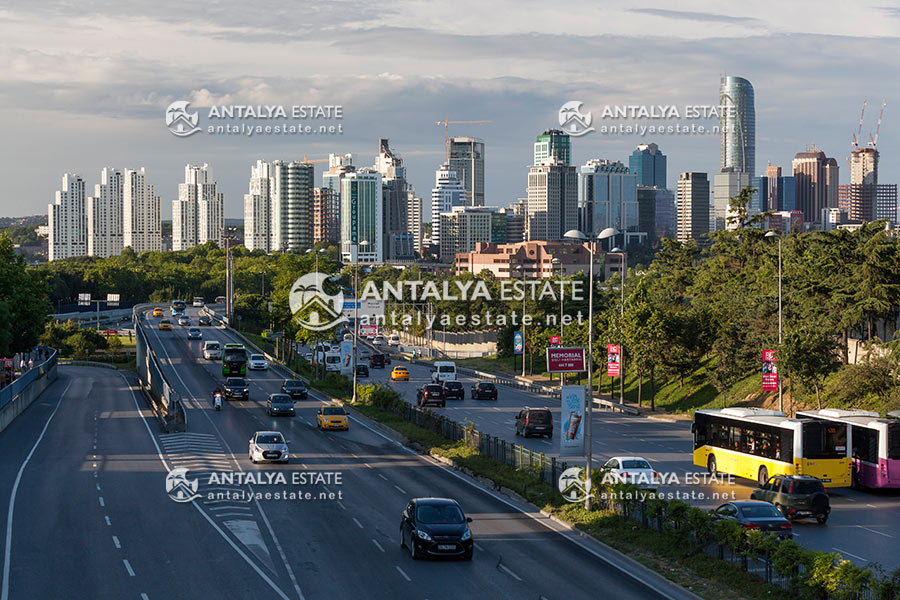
(88, 514)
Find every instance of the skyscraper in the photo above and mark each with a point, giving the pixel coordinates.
(198, 215)
(66, 220)
(326, 210)
(693, 207)
(831, 183)
(361, 218)
(737, 126)
(552, 145)
(467, 161)
(141, 225)
(864, 199)
(607, 197)
(727, 185)
(463, 228)
(104, 216)
(396, 198)
(812, 172)
(448, 192)
(649, 164)
(257, 208)
(414, 215)
(552, 200)
(291, 208)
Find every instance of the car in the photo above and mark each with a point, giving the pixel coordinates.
(236, 387)
(197, 303)
(295, 388)
(796, 496)
(194, 334)
(332, 417)
(126, 318)
(257, 362)
(376, 361)
(269, 446)
(184, 321)
(484, 390)
(212, 350)
(635, 470)
(436, 527)
(400, 374)
(279, 404)
(165, 325)
(454, 390)
(378, 340)
(220, 300)
(394, 340)
(755, 514)
(109, 332)
(204, 321)
(309, 357)
(431, 393)
(534, 421)
(157, 312)
(362, 371)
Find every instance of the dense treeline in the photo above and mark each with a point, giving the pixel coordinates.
(23, 301)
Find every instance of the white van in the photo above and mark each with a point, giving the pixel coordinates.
(212, 350)
(333, 361)
(444, 371)
(394, 340)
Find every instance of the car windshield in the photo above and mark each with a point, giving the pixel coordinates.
(333, 410)
(433, 388)
(453, 385)
(400, 370)
(281, 399)
(294, 383)
(212, 346)
(439, 513)
(805, 487)
(758, 511)
(194, 330)
(257, 357)
(486, 386)
(234, 381)
(269, 438)
(635, 464)
(539, 416)
(446, 369)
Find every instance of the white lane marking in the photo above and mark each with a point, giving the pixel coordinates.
(341, 504)
(4, 591)
(516, 577)
(382, 476)
(358, 523)
(377, 545)
(849, 554)
(97, 485)
(106, 518)
(144, 596)
(102, 504)
(405, 576)
(871, 506)
(873, 531)
(477, 547)
(400, 489)
(128, 567)
(116, 542)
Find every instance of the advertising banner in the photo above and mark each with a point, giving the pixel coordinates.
(612, 360)
(571, 439)
(566, 360)
(367, 330)
(518, 344)
(769, 370)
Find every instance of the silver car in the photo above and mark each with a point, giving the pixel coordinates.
(268, 446)
(194, 334)
(257, 362)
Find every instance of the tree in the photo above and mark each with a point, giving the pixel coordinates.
(810, 354)
(24, 301)
(735, 359)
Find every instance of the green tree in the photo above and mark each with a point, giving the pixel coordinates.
(24, 302)
(810, 353)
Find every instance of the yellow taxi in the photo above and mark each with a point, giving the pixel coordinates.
(157, 312)
(165, 325)
(400, 374)
(333, 417)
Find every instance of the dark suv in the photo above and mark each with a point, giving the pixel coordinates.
(534, 421)
(484, 391)
(236, 387)
(796, 496)
(453, 390)
(376, 361)
(431, 393)
(295, 388)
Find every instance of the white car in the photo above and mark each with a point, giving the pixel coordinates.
(635, 470)
(394, 340)
(212, 350)
(268, 446)
(257, 362)
(378, 340)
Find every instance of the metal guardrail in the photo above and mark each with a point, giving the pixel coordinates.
(10, 392)
(166, 402)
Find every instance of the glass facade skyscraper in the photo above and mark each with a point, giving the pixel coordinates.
(552, 145)
(467, 161)
(737, 126)
(649, 164)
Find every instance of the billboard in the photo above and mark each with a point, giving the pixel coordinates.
(371, 310)
(566, 360)
(84, 299)
(612, 360)
(518, 343)
(769, 370)
(112, 299)
(571, 439)
(366, 330)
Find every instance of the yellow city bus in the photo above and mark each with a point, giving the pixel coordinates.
(756, 443)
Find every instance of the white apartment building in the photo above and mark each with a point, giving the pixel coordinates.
(141, 228)
(447, 193)
(66, 220)
(257, 208)
(104, 216)
(198, 215)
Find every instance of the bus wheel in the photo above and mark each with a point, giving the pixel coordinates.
(763, 476)
(711, 465)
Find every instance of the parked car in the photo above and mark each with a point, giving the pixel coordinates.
(295, 388)
(755, 514)
(431, 393)
(236, 387)
(212, 350)
(376, 361)
(796, 496)
(257, 362)
(400, 374)
(184, 321)
(204, 321)
(453, 390)
(534, 421)
(484, 390)
(279, 404)
(435, 527)
(635, 470)
(194, 334)
(332, 417)
(362, 371)
(269, 446)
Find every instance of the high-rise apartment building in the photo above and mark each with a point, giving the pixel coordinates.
(463, 228)
(607, 197)
(198, 215)
(447, 193)
(553, 146)
(727, 185)
(832, 184)
(361, 216)
(414, 217)
(466, 156)
(257, 208)
(552, 200)
(693, 207)
(104, 216)
(812, 171)
(737, 126)
(326, 209)
(395, 197)
(291, 210)
(141, 225)
(648, 163)
(66, 220)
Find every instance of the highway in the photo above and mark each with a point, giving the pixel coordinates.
(88, 515)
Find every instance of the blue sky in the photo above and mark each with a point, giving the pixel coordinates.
(86, 84)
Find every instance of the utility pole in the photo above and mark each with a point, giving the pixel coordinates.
(228, 236)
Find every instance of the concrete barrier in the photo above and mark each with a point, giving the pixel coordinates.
(24, 397)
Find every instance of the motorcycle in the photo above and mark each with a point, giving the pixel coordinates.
(217, 400)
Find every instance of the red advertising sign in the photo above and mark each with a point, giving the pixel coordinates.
(565, 360)
(555, 340)
(612, 360)
(769, 370)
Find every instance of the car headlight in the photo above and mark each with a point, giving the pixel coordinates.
(422, 535)
(467, 535)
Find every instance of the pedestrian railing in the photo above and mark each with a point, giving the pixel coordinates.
(165, 401)
(17, 386)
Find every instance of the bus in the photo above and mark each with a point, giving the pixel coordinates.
(756, 443)
(873, 445)
(178, 307)
(234, 360)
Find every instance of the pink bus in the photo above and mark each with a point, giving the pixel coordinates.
(873, 443)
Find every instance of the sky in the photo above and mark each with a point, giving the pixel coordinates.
(86, 84)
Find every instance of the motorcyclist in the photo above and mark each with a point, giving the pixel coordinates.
(217, 395)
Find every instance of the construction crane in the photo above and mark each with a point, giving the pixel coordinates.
(313, 160)
(447, 124)
(859, 129)
(873, 141)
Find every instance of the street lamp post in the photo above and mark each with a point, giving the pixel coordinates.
(775, 234)
(355, 312)
(521, 269)
(562, 299)
(624, 265)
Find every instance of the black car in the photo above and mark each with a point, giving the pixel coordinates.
(362, 371)
(295, 388)
(453, 390)
(534, 421)
(204, 321)
(484, 391)
(236, 387)
(755, 514)
(125, 318)
(279, 404)
(435, 527)
(796, 496)
(376, 361)
(431, 393)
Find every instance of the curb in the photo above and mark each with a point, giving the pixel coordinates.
(87, 363)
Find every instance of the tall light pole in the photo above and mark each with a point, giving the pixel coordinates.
(355, 312)
(521, 268)
(228, 236)
(624, 265)
(562, 298)
(775, 234)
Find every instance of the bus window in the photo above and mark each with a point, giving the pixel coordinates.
(893, 441)
(865, 444)
(784, 447)
(824, 440)
(701, 427)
